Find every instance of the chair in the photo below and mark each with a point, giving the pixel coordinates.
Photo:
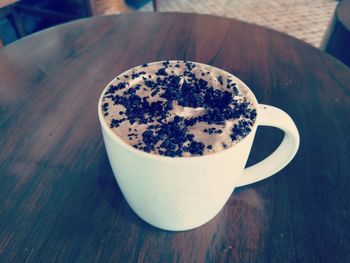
(337, 38)
(8, 10)
(102, 7)
(52, 12)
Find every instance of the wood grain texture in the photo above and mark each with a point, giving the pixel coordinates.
(59, 201)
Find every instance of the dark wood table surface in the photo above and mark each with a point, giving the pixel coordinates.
(59, 201)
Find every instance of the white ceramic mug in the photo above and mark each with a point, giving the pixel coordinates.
(182, 193)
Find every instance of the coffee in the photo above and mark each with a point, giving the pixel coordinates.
(178, 108)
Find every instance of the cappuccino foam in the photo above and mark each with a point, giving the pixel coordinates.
(178, 108)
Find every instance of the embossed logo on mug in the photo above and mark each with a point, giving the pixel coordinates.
(179, 206)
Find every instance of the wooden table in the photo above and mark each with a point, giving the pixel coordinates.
(59, 201)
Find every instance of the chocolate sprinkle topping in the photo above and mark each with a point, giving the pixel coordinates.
(171, 136)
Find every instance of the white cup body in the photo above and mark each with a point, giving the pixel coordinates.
(178, 193)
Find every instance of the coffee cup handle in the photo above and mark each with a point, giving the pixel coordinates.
(272, 116)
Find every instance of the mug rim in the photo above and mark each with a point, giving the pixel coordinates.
(144, 154)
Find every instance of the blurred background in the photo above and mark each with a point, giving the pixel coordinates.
(309, 20)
